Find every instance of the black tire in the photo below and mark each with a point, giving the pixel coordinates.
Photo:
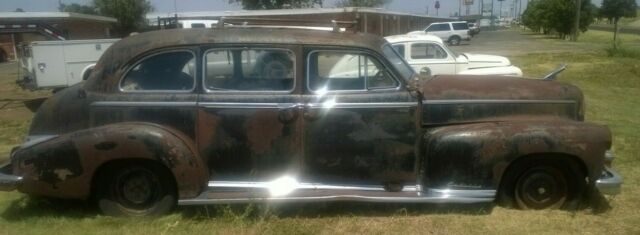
(538, 184)
(454, 40)
(135, 190)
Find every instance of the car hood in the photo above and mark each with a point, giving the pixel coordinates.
(492, 97)
(483, 61)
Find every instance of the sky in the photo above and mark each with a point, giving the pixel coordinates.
(447, 7)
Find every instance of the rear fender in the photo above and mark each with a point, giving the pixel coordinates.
(476, 155)
(64, 166)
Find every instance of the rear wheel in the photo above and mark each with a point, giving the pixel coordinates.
(135, 190)
(454, 40)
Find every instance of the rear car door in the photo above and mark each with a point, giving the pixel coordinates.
(248, 115)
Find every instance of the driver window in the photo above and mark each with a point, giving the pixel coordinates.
(427, 51)
(168, 71)
(346, 71)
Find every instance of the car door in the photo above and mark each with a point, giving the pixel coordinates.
(432, 56)
(248, 115)
(359, 121)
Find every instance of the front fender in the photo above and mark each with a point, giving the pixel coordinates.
(476, 155)
(64, 166)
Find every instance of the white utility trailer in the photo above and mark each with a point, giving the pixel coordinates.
(59, 64)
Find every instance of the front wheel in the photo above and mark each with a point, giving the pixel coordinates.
(541, 187)
(135, 190)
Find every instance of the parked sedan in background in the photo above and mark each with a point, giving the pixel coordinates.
(474, 29)
(427, 51)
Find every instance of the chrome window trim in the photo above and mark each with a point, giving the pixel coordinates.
(497, 101)
(204, 70)
(142, 104)
(308, 59)
(158, 91)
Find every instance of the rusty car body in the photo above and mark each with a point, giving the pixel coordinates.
(160, 122)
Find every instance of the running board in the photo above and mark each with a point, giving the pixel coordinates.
(230, 192)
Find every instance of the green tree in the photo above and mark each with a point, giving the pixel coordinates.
(129, 13)
(616, 9)
(362, 3)
(557, 16)
(77, 8)
(275, 4)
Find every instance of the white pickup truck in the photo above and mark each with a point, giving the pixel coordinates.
(59, 64)
(428, 53)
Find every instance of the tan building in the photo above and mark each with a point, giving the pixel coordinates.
(369, 20)
(24, 27)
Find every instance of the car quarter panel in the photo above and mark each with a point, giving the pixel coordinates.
(64, 166)
(477, 154)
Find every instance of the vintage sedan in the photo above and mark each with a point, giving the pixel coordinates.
(237, 115)
(428, 53)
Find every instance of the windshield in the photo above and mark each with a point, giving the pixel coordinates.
(398, 62)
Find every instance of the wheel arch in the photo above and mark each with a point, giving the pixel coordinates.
(70, 161)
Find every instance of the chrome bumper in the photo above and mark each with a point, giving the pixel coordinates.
(609, 182)
(8, 182)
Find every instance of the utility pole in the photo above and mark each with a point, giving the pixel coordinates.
(576, 25)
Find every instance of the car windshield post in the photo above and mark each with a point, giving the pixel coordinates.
(398, 62)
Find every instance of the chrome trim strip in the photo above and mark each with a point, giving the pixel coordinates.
(498, 101)
(364, 105)
(313, 186)
(36, 139)
(610, 182)
(142, 103)
(244, 187)
(204, 201)
(243, 105)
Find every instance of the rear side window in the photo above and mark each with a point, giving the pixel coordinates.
(346, 71)
(438, 27)
(427, 51)
(249, 70)
(167, 71)
(198, 25)
(460, 26)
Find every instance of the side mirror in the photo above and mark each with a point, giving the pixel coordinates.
(425, 72)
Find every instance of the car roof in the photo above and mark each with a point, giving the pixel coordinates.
(413, 36)
(113, 62)
(448, 22)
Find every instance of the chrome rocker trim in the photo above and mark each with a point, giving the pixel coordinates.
(229, 192)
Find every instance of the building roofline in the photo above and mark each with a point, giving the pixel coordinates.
(54, 15)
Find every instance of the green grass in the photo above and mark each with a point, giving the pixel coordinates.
(612, 89)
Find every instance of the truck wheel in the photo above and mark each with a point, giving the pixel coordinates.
(454, 40)
(135, 190)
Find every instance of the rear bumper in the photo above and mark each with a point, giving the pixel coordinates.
(8, 182)
(609, 182)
